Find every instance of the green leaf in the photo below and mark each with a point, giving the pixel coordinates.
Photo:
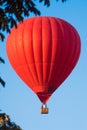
(2, 82)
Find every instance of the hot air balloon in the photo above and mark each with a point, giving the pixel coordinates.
(43, 51)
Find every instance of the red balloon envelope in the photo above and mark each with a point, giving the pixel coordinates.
(43, 51)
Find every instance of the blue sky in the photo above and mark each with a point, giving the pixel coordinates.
(68, 105)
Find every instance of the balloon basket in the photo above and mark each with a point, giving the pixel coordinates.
(44, 109)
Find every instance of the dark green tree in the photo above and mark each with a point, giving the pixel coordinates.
(1, 80)
(6, 124)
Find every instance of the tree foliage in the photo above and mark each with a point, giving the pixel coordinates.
(6, 124)
(2, 60)
(1, 80)
(13, 11)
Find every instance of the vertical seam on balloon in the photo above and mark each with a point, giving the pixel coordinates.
(33, 51)
(42, 46)
(75, 58)
(77, 42)
(61, 53)
(62, 70)
(66, 63)
(69, 66)
(51, 48)
(71, 51)
(25, 53)
(15, 44)
(53, 73)
(25, 59)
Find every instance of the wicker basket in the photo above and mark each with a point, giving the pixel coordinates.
(44, 109)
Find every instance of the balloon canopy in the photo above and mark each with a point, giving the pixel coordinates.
(43, 51)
